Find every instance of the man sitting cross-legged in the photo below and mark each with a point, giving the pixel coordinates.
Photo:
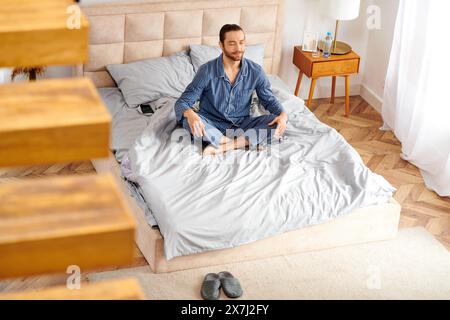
(224, 87)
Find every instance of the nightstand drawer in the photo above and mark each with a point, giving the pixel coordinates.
(332, 68)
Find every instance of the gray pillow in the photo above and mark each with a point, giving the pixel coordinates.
(113, 99)
(201, 54)
(147, 80)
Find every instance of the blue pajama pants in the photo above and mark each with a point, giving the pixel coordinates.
(256, 129)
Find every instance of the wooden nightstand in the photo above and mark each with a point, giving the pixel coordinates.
(314, 68)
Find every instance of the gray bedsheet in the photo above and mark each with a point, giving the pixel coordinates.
(206, 203)
(127, 123)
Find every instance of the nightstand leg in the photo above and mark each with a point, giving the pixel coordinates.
(311, 92)
(347, 96)
(299, 80)
(333, 89)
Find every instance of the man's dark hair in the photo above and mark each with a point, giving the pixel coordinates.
(227, 28)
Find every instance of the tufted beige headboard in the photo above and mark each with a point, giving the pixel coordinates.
(121, 33)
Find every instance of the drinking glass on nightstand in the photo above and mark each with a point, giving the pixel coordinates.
(316, 51)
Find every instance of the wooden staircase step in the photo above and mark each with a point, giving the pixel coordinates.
(39, 33)
(122, 289)
(49, 224)
(51, 121)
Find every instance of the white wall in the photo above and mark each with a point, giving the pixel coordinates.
(5, 74)
(304, 15)
(379, 45)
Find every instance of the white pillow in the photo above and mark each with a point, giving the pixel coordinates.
(201, 54)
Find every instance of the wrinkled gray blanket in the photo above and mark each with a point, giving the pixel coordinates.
(206, 203)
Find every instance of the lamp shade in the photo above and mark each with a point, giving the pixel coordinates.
(340, 9)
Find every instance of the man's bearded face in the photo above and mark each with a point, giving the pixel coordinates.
(233, 45)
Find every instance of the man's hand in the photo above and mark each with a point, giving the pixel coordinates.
(195, 123)
(281, 124)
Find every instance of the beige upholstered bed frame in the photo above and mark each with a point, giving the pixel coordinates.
(122, 33)
(130, 32)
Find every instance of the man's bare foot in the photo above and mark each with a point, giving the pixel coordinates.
(210, 151)
(225, 140)
(239, 143)
(260, 147)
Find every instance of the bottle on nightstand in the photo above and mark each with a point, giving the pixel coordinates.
(327, 45)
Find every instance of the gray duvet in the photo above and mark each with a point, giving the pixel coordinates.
(207, 203)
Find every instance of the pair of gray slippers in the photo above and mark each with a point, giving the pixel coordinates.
(213, 282)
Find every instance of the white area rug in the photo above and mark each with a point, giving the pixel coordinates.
(412, 266)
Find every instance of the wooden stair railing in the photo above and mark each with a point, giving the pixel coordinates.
(49, 224)
(44, 32)
(49, 121)
(123, 289)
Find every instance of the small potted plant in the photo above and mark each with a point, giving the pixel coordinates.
(30, 73)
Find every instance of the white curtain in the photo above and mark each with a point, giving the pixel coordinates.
(417, 91)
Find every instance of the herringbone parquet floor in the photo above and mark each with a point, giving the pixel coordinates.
(380, 151)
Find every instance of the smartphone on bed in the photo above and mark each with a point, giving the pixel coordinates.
(146, 108)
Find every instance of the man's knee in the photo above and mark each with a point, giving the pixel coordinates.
(262, 122)
(265, 130)
(269, 118)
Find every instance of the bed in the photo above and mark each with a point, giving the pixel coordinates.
(121, 33)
